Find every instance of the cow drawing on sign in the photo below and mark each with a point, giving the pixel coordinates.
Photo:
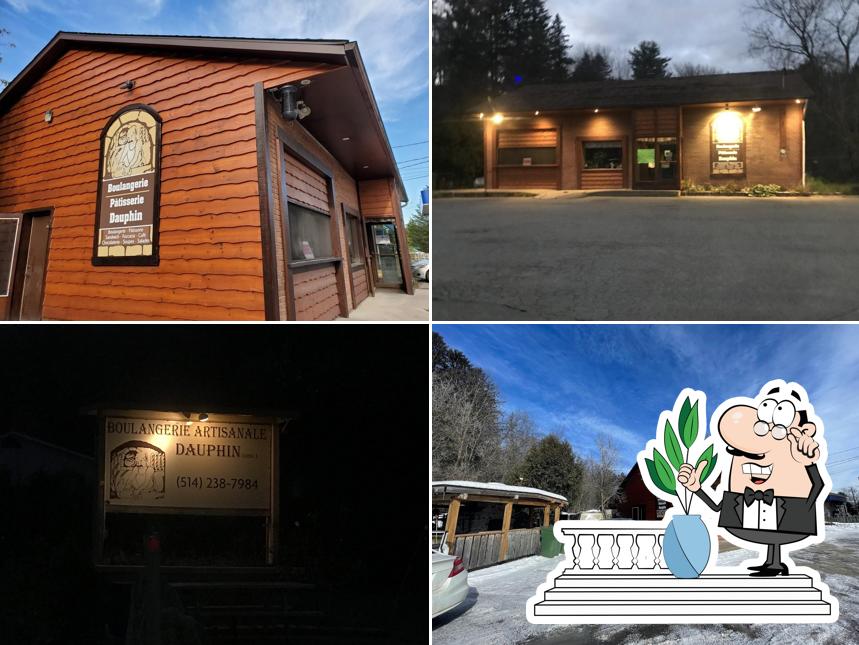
(137, 471)
(130, 151)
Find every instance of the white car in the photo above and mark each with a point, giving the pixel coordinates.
(449, 582)
(421, 270)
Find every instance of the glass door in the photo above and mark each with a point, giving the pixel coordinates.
(386, 254)
(656, 162)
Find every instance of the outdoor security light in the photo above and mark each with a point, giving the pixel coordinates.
(728, 126)
(203, 417)
(596, 110)
(757, 108)
(127, 85)
(798, 101)
(537, 113)
(498, 118)
(480, 115)
(291, 107)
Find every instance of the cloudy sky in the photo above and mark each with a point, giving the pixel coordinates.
(695, 31)
(392, 36)
(579, 380)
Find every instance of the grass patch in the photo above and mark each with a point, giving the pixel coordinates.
(824, 187)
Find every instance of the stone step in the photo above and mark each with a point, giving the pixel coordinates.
(722, 611)
(666, 580)
(646, 594)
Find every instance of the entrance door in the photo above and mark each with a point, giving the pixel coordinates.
(656, 163)
(385, 254)
(32, 261)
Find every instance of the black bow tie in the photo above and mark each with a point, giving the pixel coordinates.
(750, 496)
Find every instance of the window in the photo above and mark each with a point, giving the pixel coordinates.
(601, 155)
(536, 147)
(309, 234)
(353, 238)
(526, 156)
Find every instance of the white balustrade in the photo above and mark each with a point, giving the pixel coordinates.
(622, 547)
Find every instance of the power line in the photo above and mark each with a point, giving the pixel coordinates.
(415, 159)
(406, 145)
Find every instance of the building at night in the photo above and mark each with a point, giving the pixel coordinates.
(166, 177)
(742, 129)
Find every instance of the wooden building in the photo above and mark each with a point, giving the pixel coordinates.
(166, 177)
(636, 502)
(743, 129)
(487, 523)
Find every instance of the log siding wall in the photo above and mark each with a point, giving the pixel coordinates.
(210, 244)
(314, 291)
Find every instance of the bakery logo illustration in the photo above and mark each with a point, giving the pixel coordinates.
(137, 471)
(758, 481)
(131, 151)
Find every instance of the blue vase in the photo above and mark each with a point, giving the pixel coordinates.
(686, 546)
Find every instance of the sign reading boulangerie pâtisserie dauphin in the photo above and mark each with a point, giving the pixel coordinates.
(126, 229)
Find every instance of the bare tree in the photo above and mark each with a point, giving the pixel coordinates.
(790, 31)
(844, 20)
(852, 495)
(464, 429)
(695, 69)
(606, 476)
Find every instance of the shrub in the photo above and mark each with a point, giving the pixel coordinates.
(763, 190)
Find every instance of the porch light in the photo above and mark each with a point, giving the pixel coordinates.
(798, 101)
(536, 112)
(497, 118)
(480, 115)
(596, 110)
(757, 108)
(728, 126)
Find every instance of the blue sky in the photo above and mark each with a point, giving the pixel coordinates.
(579, 380)
(392, 36)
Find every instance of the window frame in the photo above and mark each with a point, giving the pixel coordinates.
(556, 148)
(350, 215)
(622, 146)
(304, 262)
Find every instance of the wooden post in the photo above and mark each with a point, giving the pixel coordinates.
(452, 517)
(557, 513)
(505, 529)
(546, 515)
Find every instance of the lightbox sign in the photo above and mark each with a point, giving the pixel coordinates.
(166, 463)
(727, 145)
(126, 227)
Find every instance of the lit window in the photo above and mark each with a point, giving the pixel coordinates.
(599, 155)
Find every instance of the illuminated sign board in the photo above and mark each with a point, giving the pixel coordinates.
(170, 464)
(126, 223)
(727, 145)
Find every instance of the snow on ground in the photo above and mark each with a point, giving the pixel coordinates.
(494, 612)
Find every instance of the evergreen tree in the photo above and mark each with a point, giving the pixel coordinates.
(559, 58)
(647, 62)
(552, 466)
(418, 230)
(592, 66)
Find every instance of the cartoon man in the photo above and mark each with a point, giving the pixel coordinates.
(773, 481)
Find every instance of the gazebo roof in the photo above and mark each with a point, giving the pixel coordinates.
(495, 489)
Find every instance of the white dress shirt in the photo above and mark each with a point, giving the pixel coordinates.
(760, 515)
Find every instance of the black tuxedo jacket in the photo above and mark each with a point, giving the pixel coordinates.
(793, 514)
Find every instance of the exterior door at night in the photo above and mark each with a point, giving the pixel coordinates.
(386, 254)
(656, 163)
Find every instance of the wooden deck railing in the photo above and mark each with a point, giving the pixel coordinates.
(484, 548)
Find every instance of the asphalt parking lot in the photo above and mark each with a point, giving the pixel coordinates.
(646, 258)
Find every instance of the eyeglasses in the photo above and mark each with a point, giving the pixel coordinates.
(778, 431)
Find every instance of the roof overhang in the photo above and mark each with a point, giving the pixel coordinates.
(341, 100)
(448, 490)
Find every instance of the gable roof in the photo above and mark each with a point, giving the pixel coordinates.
(350, 85)
(692, 90)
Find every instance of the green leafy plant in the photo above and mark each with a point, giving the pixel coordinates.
(763, 190)
(662, 471)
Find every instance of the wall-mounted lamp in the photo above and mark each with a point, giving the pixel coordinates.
(480, 116)
(498, 118)
(365, 167)
(346, 139)
(203, 417)
(49, 116)
(798, 101)
(128, 85)
(756, 109)
(596, 110)
(536, 112)
(291, 107)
